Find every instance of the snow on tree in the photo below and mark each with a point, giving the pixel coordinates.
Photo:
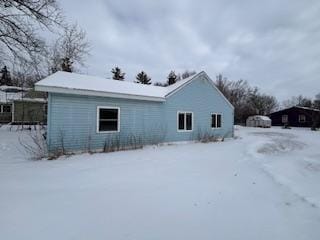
(172, 78)
(143, 78)
(5, 77)
(117, 74)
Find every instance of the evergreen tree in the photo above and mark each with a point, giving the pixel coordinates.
(5, 77)
(66, 65)
(117, 74)
(143, 78)
(172, 78)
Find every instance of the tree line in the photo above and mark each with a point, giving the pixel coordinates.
(143, 78)
(33, 57)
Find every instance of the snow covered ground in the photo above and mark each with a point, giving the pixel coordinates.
(262, 185)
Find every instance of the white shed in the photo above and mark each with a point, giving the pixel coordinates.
(258, 121)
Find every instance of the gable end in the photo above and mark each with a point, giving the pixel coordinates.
(196, 77)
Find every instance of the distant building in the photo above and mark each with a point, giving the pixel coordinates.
(258, 121)
(296, 117)
(22, 105)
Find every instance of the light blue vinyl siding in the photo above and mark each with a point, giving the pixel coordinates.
(72, 119)
(202, 99)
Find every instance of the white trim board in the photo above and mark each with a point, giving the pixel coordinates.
(185, 121)
(214, 113)
(98, 119)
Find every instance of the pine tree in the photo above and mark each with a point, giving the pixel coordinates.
(143, 78)
(117, 74)
(172, 78)
(5, 77)
(66, 65)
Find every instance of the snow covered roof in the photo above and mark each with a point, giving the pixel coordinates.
(260, 117)
(73, 83)
(308, 108)
(7, 97)
(8, 94)
(39, 100)
(64, 82)
(304, 108)
(6, 88)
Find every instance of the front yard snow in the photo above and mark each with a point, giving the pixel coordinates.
(262, 185)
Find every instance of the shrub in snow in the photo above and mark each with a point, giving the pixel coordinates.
(36, 145)
(114, 143)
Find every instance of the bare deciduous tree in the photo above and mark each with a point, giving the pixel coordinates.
(20, 22)
(71, 47)
(187, 74)
(297, 101)
(245, 99)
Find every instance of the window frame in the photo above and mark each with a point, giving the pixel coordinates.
(6, 105)
(2, 106)
(185, 121)
(98, 119)
(287, 117)
(304, 117)
(214, 113)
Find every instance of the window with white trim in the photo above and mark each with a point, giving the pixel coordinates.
(302, 118)
(108, 119)
(216, 120)
(284, 118)
(185, 121)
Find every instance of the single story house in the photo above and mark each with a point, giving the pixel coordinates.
(258, 121)
(86, 112)
(296, 117)
(22, 105)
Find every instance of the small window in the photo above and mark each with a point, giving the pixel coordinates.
(6, 108)
(216, 120)
(181, 121)
(185, 121)
(108, 119)
(284, 118)
(302, 118)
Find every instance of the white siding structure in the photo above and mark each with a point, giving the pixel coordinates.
(258, 121)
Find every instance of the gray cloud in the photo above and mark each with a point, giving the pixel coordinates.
(273, 44)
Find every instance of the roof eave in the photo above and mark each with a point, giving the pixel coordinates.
(74, 91)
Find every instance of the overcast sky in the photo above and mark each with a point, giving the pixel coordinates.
(272, 44)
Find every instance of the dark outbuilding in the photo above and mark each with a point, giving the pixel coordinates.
(296, 117)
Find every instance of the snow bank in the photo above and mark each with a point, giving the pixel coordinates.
(225, 190)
